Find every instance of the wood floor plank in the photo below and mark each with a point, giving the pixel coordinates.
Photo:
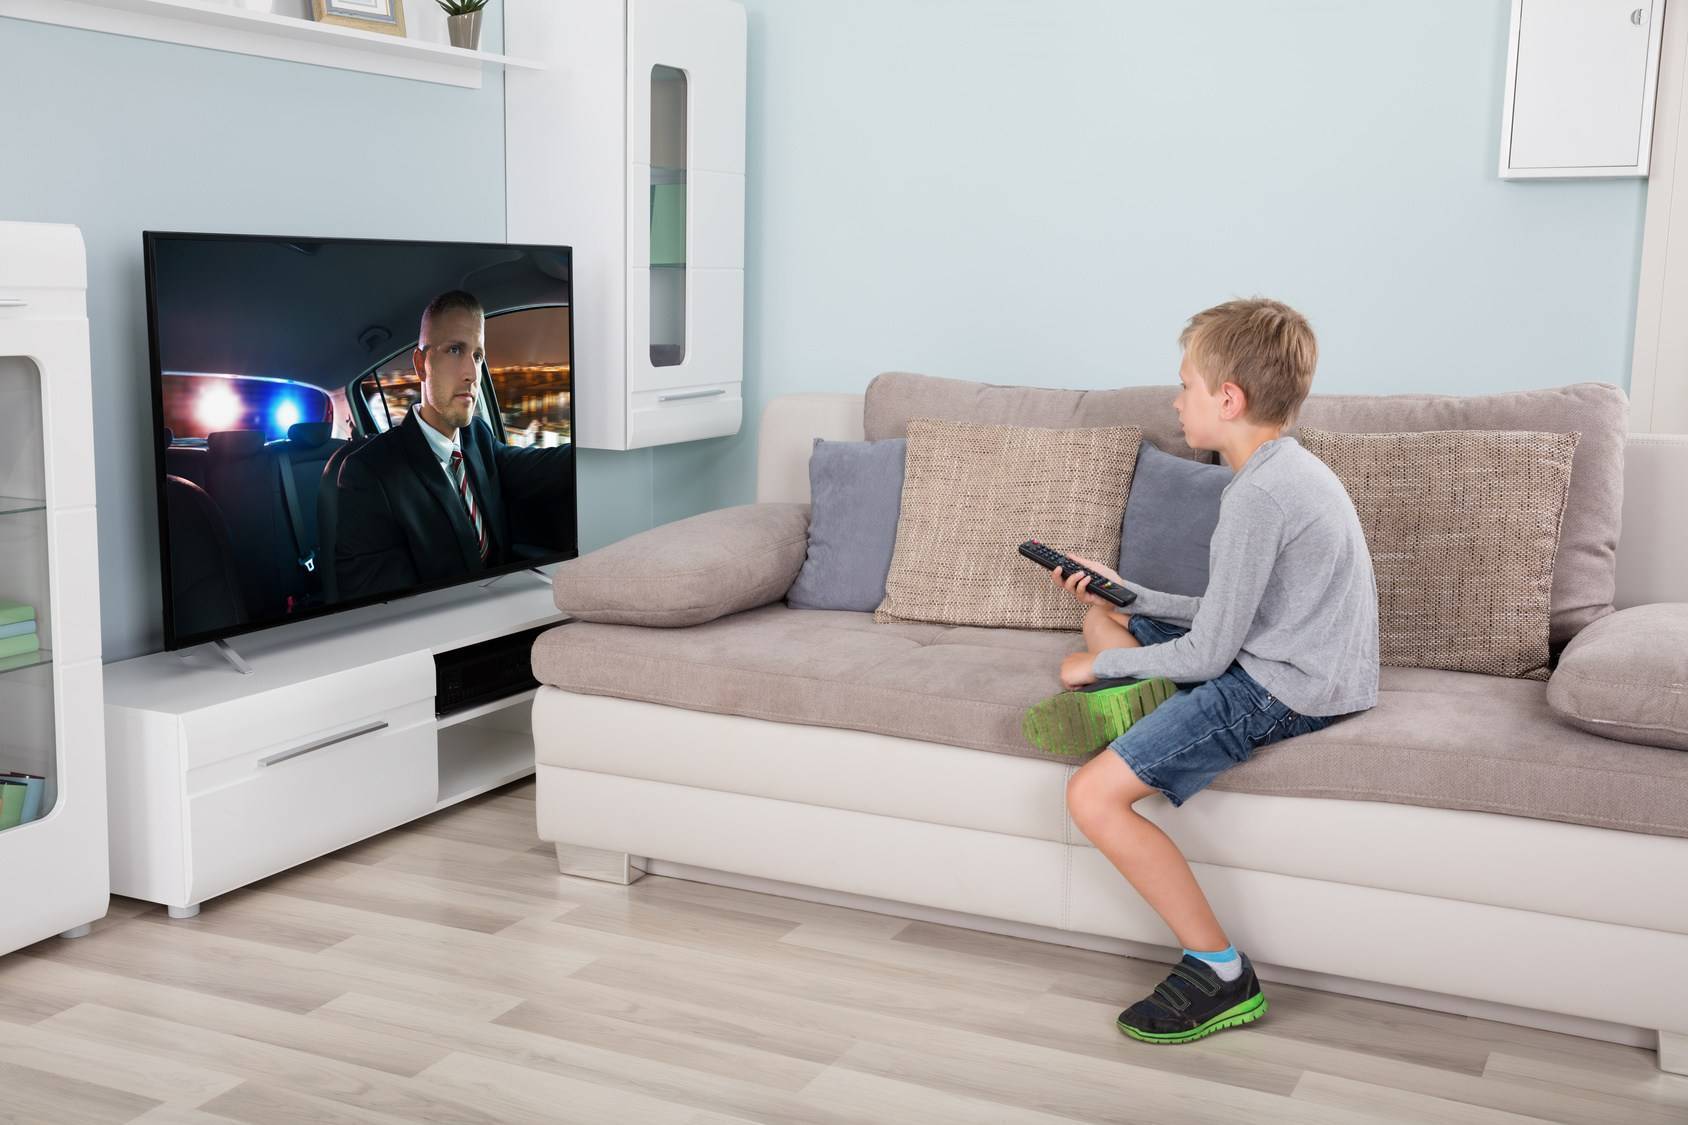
(395, 1055)
(34, 1097)
(737, 1092)
(118, 1068)
(346, 1083)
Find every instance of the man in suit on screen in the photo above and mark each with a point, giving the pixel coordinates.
(429, 501)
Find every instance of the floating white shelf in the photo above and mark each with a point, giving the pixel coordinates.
(220, 26)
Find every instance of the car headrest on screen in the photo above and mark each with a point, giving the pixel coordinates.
(232, 444)
(310, 434)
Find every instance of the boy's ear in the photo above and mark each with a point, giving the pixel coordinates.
(1234, 402)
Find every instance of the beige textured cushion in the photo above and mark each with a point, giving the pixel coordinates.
(974, 493)
(1462, 528)
(895, 397)
(689, 571)
(1585, 573)
(1452, 740)
(1626, 676)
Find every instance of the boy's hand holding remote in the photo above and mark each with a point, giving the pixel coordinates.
(1078, 668)
(1179, 689)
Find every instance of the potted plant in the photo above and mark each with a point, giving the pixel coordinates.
(463, 21)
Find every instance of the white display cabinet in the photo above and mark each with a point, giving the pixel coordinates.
(629, 146)
(1580, 81)
(50, 697)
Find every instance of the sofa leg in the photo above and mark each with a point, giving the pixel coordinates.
(1673, 1052)
(593, 863)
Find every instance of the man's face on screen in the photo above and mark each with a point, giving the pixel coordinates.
(448, 360)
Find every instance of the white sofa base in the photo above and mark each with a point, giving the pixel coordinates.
(1437, 951)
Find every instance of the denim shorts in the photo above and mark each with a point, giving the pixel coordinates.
(1205, 728)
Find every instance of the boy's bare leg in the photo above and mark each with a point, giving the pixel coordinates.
(1104, 629)
(1101, 796)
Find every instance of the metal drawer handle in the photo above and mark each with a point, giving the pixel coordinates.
(12, 302)
(692, 394)
(323, 743)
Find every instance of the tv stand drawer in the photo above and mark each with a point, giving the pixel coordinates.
(294, 804)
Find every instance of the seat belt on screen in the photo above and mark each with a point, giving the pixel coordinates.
(290, 490)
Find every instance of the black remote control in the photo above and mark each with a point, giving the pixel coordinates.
(1101, 586)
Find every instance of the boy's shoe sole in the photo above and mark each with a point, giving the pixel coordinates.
(1246, 1012)
(1083, 721)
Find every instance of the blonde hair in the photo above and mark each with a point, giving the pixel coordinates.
(1263, 346)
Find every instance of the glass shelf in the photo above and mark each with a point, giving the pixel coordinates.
(11, 504)
(27, 660)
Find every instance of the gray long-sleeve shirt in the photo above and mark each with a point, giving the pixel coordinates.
(1290, 593)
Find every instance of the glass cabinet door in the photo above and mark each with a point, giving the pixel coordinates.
(28, 755)
(669, 91)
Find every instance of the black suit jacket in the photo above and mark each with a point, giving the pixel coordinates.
(400, 525)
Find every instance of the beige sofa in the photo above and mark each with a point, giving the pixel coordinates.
(1460, 847)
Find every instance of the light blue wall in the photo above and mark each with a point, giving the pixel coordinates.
(1035, 191)
(1042, 191)
(123, 135)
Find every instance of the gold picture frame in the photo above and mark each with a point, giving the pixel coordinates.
(385, 16)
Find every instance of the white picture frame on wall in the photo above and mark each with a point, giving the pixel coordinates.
(386, 16)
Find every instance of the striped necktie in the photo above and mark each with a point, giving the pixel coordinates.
(459, 475)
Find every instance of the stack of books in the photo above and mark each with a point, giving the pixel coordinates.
(19, 642)
(20, 798)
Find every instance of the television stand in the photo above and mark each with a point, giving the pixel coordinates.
(330, 737)
(546, 578)
(227, 652)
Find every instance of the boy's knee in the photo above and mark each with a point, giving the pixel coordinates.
(1087, 799)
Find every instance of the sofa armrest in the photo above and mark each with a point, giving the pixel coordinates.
(689, 571)
(1626, 676)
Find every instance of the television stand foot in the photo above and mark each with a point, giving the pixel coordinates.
(227, 652)
(530, 570)
(191, 910)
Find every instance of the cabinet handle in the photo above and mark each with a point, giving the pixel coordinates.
(691, 394)
(323, 743)
(12, 302)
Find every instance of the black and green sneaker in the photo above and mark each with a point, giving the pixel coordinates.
(1088, 718)
(1192, 1002)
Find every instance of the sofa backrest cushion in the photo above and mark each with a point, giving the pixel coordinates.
(972, 493)
(1462, 526)
(896, 396)
(1585, 566)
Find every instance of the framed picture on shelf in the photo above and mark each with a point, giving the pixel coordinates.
(370, 15)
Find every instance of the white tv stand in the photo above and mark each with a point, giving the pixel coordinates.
(218, 779)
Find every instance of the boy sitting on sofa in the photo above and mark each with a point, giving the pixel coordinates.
(1283, 641)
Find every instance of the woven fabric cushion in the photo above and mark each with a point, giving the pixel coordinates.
(855, 488)
(895, 397)
(1169, 521)
(972, 494)
(1462, 527)
(1626, 676)
(1585, 573)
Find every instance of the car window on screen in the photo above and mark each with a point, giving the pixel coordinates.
(527, 355)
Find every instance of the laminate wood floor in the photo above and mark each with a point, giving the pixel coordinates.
(444, 972)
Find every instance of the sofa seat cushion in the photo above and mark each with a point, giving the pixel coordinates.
(1453, 740)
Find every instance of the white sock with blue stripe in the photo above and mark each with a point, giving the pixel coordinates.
(1225, 963)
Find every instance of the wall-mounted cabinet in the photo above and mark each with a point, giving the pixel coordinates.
(629, 146)
(1580, 80)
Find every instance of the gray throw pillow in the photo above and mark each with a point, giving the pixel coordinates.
(1169, 521)
(855, 497)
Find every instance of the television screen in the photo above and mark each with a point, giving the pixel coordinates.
(341, 422)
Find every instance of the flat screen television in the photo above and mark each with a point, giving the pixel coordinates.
(340, 422)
